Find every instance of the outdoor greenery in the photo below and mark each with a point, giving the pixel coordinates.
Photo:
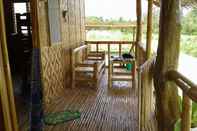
(93, 20)
(188, 38)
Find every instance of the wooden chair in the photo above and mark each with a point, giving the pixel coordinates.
(89, 68)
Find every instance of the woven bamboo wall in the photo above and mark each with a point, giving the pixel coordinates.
(53, 72)
(56, 57)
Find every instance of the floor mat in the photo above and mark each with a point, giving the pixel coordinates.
(61, 117)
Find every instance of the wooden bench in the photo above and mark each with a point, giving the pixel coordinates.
(87, 67)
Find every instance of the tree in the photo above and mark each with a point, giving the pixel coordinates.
(189, 25)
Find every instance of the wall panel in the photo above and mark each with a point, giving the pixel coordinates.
(56, 59)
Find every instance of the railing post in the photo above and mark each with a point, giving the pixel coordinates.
(109, 64)
(97, 47)
(134, 28)
(139, 100)
(109, 54)
(149, 29)
(186, 113)
(120, 50)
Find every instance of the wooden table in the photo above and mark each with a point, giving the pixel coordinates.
(118, 73)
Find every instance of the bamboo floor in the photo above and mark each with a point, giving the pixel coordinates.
(102, 109)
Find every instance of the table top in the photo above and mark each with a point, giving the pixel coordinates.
(122, 60)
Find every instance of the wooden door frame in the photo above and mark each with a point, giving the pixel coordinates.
(7, 102)
(6, 89)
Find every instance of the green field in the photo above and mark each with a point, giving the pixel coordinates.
(188, 42)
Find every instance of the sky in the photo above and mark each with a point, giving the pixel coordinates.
(116, 8)
(106, 8)
(113, 8)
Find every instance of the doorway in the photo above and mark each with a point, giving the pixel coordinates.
(19, 45)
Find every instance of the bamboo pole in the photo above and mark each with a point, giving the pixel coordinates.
(2, 125)
(4, 98)
(139, 101)
(167, 100)
(149, 29)
(138, 40)
(134, 28)
(97, 47)
(35, 23)
(186, 113)
(139, 27)
(109, 66)
(7, 72)
(120, 50)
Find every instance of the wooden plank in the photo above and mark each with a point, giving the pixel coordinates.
(126, 26)
(121, 73)
(110, 42)
(101, 109)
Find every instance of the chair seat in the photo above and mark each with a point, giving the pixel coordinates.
(88, 72)
(89, 69)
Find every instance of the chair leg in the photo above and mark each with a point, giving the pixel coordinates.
(97, 83)
(109, 76)
(73, 84)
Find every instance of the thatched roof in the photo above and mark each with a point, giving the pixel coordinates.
(185, 3)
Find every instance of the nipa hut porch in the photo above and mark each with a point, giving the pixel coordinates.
(102, 109)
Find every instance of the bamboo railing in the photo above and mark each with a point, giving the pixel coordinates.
(189, 93)
(146, 99)
(109, 45)
(187, 86)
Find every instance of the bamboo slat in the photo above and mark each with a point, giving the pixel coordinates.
(53, 72)
(102, 109)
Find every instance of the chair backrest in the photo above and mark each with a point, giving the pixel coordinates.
(78, 54)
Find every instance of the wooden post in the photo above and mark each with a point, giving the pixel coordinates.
(73, 62)
(97, 47)
(109, 53)
(134, 28)
(120, 50)
(35, 25)
(2, 125)
(109, 66)
(7, 124)
(186, 113)
(139, 101)
(9, 96)
(138, 41)
(149, 29)
(167, 100)
(96, 74)
(139, 28)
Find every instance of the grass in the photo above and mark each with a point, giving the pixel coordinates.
(188, 42)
